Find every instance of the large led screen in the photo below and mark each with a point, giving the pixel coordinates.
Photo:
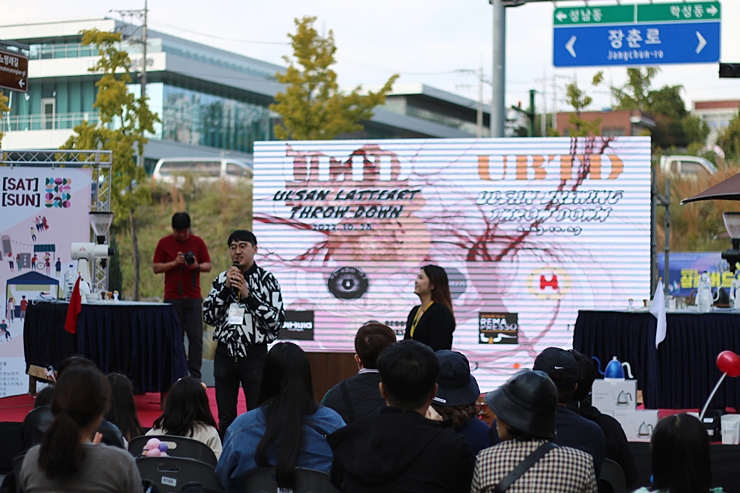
(529, 231)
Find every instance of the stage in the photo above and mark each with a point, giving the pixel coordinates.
(14, 409)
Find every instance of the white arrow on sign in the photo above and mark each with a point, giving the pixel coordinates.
(560, 16)
(21, 83)
(712, 10)
(569, 46)
(702, 42)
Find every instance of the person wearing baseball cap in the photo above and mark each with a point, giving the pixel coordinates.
(525, 408)
(572, 430)
(455, 400)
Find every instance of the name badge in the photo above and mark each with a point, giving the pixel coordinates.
(236, 314)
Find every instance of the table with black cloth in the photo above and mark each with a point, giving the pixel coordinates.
(681, 373)
(140, 340)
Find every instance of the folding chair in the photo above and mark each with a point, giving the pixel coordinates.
(178, 447)
(176, 473)
(263, 480)
(613, 475)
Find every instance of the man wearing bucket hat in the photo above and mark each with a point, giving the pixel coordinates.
(455, 400)
(525, 417)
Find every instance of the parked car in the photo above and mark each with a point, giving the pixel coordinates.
(168, 170)
(686, 166)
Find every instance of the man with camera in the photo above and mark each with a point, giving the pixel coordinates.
(182, 256)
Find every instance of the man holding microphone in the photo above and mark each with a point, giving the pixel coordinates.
(182, 256)
(246, 308)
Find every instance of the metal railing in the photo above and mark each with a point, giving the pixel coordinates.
(56, 121)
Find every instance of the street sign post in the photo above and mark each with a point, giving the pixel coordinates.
(644, 34)
(13, 71)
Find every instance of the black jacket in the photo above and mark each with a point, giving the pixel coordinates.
(435, 327)
(363, 395)
(617, 446)
(400, 451)
(39, 419)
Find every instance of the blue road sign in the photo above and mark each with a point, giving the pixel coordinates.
(636, 44)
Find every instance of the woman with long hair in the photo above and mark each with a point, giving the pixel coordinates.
(71, 457)
(432, 322)
(187, 414)
(680, 456)
(122, 411)
(287, 430)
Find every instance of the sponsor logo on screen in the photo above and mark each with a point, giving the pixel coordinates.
(498, 328)
(458, 282)
(548, 283)
(348, 283)
(298, 325)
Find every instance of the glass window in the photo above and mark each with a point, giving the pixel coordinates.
(235, 170)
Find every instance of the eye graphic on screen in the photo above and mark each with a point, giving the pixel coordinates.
(348, 283)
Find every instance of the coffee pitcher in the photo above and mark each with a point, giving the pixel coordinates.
(645, 430)
(734, 295)
(624, 398)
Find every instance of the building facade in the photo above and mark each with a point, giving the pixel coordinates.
(211, 102)
(612, 123)
(717, 115)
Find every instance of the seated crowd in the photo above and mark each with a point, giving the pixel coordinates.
(406, 422)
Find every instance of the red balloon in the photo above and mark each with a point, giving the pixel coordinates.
(729, 362)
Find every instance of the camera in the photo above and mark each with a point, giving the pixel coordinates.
(189, 258)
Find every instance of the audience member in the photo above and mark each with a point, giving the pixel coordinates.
(187, 414)
(359, 396)
(38, 420)
(287, 430)
(572, 430)
(617, 446)
(399, 450)
(122, 410)
(680, 456)
(71, 457)
(455, 400)
(43, 398)
(525, 409)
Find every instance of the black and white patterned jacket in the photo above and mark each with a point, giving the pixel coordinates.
(263, 317)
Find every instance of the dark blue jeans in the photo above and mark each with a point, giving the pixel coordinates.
(229, 372)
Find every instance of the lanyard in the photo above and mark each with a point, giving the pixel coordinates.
(418, 316)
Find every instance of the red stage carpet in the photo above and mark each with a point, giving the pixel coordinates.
(14, 409)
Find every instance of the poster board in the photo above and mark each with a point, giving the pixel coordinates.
(44, 210)
(529, 231)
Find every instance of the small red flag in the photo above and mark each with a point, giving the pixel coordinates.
(75, 307)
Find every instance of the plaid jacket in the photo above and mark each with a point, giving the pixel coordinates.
(263, 317)
(561, 470)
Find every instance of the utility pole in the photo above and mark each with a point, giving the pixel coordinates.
(141, 40)
(479, 116)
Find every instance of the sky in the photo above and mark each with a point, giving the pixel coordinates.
(425, 42)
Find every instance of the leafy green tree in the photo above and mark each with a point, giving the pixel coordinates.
(312, 106)
(124, 122)
(579, 100)
(729, 139)
(634, 95)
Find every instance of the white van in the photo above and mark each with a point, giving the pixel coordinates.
(168, 170)
(686, 166)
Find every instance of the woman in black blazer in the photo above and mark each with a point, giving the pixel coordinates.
(432, 322)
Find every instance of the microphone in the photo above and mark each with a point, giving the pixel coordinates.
(233, 288)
